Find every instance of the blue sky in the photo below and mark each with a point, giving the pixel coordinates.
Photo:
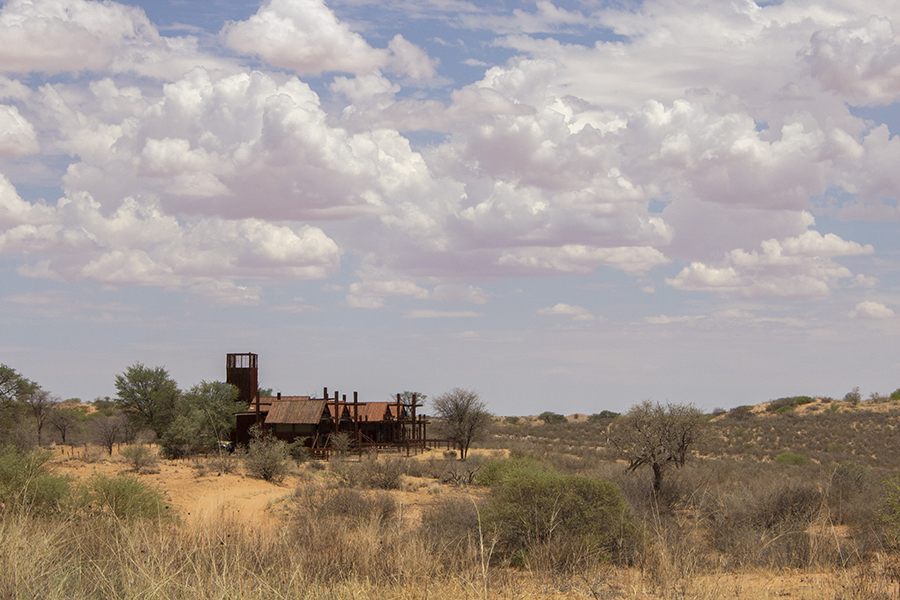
(566, 206)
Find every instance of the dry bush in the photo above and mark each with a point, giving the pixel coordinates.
(450, 528)
(851, 489)
(372, 472)
(341, 534)
(140, 458)
(267, 458)
(343, 503)
(123, 497)
(201, 467)
(776, 523)
(91, 454)
(222, 462)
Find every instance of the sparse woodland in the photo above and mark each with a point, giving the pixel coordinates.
(802, 502)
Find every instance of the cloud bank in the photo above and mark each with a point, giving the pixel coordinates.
(695, 139)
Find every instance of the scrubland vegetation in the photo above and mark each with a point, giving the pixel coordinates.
(800, 497)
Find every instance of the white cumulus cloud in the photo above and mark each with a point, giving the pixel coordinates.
(17, 135)
(139, 244)
(578, 313)
(305, 36)
(56, 36)
(799, 267)
(871, 310)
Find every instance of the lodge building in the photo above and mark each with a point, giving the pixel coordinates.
(389, 425)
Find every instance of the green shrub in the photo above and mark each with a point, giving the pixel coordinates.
(494, 471)
(298, 450)
(774, 405)
(791, 458)
(603, 415)
(27, 484)
(547, 520)
(740, 413)
(511, 420)
(182, 438)
(853, 396)
(552, 418)
(782, 405)
(126, 498)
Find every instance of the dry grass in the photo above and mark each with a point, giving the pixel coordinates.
(57, 560)
(733, 525)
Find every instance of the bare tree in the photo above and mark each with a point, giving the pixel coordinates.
(658, 436)
(464, 416)
(41, 403)
(108, 431)
(64, 420)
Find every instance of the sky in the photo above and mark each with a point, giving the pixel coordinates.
(564, 205)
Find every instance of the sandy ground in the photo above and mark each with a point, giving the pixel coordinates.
(192, 494)
(198, 495)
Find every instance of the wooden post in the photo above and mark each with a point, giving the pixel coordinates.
(356, 422)
(398, 435)
(413, 428)
(336, 415)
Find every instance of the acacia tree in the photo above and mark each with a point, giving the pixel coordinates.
(205, 416)
(464, 416)
(658, 436)
(148, 396)
(13, 386)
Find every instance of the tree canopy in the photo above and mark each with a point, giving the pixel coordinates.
(204, 416)
(148, 396)
(13, 386)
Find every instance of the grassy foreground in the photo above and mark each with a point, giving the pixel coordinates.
(142, 559)
(770, 511)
